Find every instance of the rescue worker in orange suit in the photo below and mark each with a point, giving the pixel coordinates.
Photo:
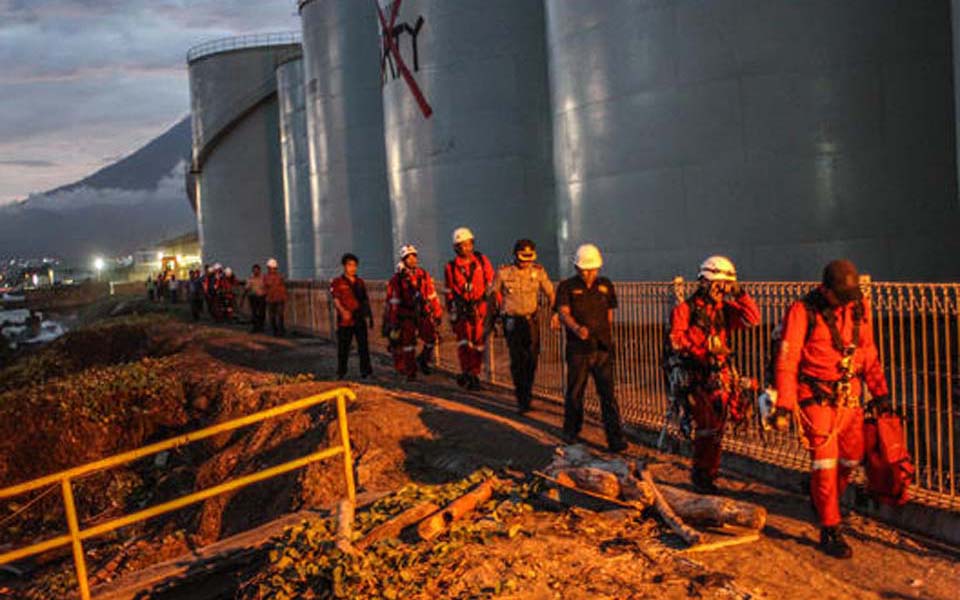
(700, 332)
(468, 277)
(412, 310)
(819, 371)
(350, 298)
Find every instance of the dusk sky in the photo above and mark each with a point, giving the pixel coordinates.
(85, 82)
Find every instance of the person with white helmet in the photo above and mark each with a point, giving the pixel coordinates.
(275, 290)
(701, 333)
(468, 277)
(412, 310)
(585, 304)
(227, 294)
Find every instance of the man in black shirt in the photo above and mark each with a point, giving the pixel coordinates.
(585, 303)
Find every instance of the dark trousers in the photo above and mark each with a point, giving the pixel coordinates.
(523, 341)
(580, 367)
(196, 306)
(345, 337)
(258, 312)
(275, 309)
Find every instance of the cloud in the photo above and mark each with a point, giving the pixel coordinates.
(84, 79)
(169, 190)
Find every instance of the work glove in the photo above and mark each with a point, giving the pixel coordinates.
(394, 335)
(716, 346)
(771, 415)
(881, 405)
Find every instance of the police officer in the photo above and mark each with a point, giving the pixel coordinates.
(585, 303)
(519, 286)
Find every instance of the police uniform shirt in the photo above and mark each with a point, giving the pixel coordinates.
(589, 307)
(521, 288)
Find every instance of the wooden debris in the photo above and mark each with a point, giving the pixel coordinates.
(592, 479)
(686, 533)
(696, 508)
(567, 493)
(394, 526)
(438, 522)
(723, 543)
(345, 526)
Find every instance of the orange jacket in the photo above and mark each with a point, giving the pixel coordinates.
(468, 278)
(691, 338)
(817, 357)
(410, 295)
(274, 286)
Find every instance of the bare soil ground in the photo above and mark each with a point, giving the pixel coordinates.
(430, 432)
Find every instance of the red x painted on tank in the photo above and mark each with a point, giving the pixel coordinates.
(391, 42)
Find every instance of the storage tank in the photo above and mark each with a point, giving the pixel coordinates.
(238, 174)
(782, 133)
(296, 169)
(482, 159)
(351, 210)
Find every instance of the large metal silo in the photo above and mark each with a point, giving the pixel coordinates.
(483, 158)
(351, 210)
(296, 169)
(237, 166)
(782, 133)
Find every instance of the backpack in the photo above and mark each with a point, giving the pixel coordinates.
(887, 462)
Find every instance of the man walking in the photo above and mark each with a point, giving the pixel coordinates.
(256, 295)
(468, 276)
(353, 315)
(519, 286)
(701, 333)
(827, 350)
(585, 303)
(275, 290)
(413, 310)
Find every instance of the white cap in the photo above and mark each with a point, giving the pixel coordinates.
(228, 271)
(272, 263)
(217, 266)
(407, 250)
(588, 257)
(718, 268)
(461, 234)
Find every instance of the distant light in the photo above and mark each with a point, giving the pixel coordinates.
(159, 256)
(98, 263)
(36, 280)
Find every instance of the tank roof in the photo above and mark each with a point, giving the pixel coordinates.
(243, 42)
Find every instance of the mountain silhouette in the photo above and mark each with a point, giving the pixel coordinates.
(132, 203)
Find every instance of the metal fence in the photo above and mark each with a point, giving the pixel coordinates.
(916, 329)
(240, 42)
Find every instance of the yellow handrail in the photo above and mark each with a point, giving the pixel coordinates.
(76, 535)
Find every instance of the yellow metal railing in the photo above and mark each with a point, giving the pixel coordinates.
(76, 535)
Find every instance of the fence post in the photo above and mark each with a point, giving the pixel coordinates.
(74, 525)
(345, 441)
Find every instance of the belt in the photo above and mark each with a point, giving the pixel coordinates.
(836, 392)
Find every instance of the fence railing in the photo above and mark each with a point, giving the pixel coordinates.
(916, 328)
(64, 479)
(240, 42)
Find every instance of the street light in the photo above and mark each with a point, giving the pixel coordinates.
(98, 265)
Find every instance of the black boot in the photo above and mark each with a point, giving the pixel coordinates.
(703, 483)
(473, 383)
(833, 544)
(423, 361)
(463, 380)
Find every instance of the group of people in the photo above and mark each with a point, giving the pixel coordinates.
(219, 291)
(826, 351)
(163, 287)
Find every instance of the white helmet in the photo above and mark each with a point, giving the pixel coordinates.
(217, 266)
(407, 250)
(588, 257)
(461, 234)
(272, 263)
(228, 271)
(718, 268)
